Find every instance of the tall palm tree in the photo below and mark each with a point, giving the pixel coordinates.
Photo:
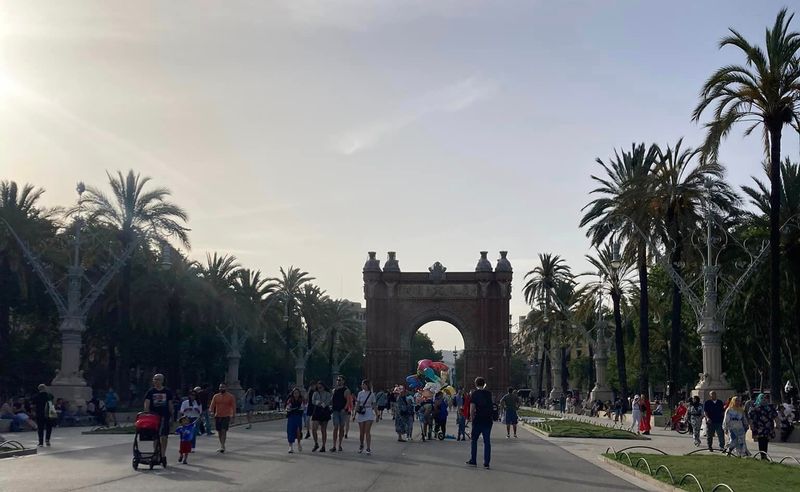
(626, 208)
(289, 286)
(132, 209)
(614, 280)
(682, 186)
(549, 285)
(765, 92)
(759, 196)
(21, 209)
(220, 273)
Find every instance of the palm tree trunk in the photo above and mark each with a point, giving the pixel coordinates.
(619, 342)
(775, 261)
(644, 326)
(542, 369)
(676, 333)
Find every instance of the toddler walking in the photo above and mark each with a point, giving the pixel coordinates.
(186, 432)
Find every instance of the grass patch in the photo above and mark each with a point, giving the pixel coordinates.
(572, 428)
(742, 475)
(122, 429)
(533, 413)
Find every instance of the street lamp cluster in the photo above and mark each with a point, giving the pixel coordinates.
(73, 309)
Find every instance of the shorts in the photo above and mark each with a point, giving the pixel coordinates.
(321, 415)
(511, 417)
(339, 418)
(222, 423)
(163, 426)
(186, 447)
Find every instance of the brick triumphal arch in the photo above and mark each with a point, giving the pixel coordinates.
(476, 303)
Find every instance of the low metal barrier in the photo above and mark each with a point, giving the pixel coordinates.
(687, 477)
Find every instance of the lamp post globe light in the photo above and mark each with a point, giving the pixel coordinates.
(69, 382)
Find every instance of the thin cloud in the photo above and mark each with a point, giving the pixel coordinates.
(450, 99)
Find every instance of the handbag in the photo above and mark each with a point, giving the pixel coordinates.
(51, 411)
(361, 410)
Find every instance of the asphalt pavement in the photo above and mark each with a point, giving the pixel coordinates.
(257, 459)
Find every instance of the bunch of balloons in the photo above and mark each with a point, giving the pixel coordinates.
(431, 377)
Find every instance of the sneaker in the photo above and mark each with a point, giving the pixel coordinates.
(333, 449)
(340, 449)
(308, 434)
(360, 449)
(345, 436)
(220, 450)
(472, 463)
(369, 452)
(486, 465)
(321, 450)
(41, 445)
(291, 451)
(186, 460)
(47, 444)
(316, 447)
(508, 436)
(515, 436)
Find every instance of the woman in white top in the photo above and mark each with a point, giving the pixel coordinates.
(365, 415)
(636, 414)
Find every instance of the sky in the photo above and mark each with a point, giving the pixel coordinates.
(307, 133)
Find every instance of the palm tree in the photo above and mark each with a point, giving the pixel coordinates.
(626, 208)
(790, 213)
(765, 92)
(289, 286)
(21, 210)
(614, 280)
(345, 329)
(682, 184)
(131, 210)
(551, 282)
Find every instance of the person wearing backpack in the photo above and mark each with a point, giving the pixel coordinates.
(481, 409)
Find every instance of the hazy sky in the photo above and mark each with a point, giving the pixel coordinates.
(307, 133)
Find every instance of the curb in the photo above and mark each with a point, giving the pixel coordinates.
(640, 475)
(18, 452)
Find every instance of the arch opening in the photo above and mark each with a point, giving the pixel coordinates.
(439, 341)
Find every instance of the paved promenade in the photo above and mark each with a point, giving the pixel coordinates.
(257, 460)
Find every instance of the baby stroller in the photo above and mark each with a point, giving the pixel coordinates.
(147, 429)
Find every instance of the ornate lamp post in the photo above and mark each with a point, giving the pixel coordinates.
(601, 391)
(710, 313)
(72, 310)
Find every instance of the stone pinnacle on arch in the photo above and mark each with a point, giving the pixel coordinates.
(373, 264)
(484, 265)
(391, 265)
(503, 265)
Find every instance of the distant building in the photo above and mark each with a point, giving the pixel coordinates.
(361, 312)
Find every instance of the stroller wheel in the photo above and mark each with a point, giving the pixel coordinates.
(135, 464)
(440, 436)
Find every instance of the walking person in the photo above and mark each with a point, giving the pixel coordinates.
(440, 413)
(735, 422)
(480, 414)
(696, 418)
(295, 408)
(402, 410)
(204, 397)
(191, 408)
(410, 416)
(312, 388)
(510, 403)
(365, 416)
(157, 400)
(762, 422)
(461, 420)
(249, 404)
(647, 413)
(223, 408)
(46, 414)
(322, 415)
(186, 432)
(636, 414)
(714, 411)
(380, 401)
(339, 412)
(112, 400)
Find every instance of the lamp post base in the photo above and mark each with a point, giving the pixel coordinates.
(707, 385)
(602, 394)
(76, 394)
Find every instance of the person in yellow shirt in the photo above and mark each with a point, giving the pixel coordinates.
(223, 408)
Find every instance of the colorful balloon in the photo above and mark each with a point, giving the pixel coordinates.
(430, 374)
(413, 382)
(424, 364)
(439, 366)
(449, 390)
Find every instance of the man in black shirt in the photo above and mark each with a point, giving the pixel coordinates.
(44, 421)
(157, 401)
(480, 415)
(339, 416)
(715, 414)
